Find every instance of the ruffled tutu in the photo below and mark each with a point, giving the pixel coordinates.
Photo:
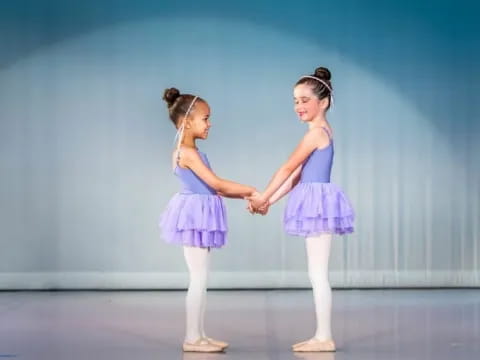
(316, 208)
(195, 220)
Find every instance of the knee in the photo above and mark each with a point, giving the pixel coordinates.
(198, 278)
(318, 278)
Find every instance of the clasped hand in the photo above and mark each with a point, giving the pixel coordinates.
(257, 204)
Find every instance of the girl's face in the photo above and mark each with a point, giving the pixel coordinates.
(198, 122)
(307, 104)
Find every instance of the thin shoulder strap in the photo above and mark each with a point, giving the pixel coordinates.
(177, 159)
(328, 132)
(179, 153)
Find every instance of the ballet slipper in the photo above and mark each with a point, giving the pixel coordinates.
(301, 343)
(218, 343)
(314, 355)
(315, 345)
(201, 345)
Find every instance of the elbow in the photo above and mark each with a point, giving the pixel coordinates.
(286, 170)
(219, 186)
(295, 181)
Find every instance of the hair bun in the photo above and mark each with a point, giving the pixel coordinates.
(170, 95)
(323, 73)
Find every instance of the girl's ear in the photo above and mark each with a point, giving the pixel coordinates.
(187, 122)
(324, 102)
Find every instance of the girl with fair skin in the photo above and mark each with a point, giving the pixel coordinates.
(316, 209)
(195, 217)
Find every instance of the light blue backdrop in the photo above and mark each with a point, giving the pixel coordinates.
(85, 139)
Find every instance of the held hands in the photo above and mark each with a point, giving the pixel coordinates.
(257, 204)
(263, 210)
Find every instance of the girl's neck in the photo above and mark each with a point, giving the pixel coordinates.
(319, 121)
(189, 142)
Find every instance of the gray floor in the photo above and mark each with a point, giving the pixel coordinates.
(367, 324)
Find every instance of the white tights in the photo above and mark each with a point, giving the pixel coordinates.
(318, 252)
(198, 261)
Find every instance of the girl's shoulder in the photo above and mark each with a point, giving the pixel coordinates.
(318, 137)
(186, 151)
(318, 134)
(185, 155)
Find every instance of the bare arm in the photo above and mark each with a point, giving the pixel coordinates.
(292, 180)
(219, 193)
(308, 144)
(285, 188)
(192, 160)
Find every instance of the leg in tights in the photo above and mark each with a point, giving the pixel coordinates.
(197, 260)
(318, 253)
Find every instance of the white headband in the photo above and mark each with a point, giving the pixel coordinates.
(318, 79)
(190, 107)
(181, 129)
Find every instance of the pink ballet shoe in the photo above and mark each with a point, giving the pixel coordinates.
(218, 343)
(313, 355)
(301, 343)
(314, 345)
(201, 345)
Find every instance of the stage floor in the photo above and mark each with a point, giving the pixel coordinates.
(261, 324)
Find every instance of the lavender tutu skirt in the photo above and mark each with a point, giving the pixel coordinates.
(315, 208)
(195, 220)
